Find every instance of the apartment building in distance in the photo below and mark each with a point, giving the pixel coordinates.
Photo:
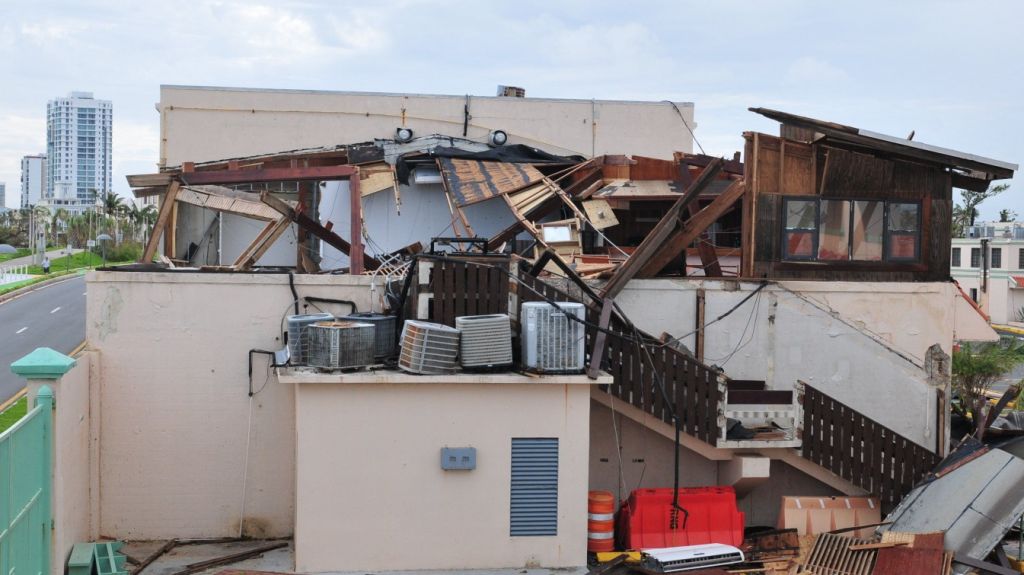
(989, 265)
(3, 195)
(33, 179)
(78, 148)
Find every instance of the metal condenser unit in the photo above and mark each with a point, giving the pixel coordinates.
(486, 341)
(340, 344)
(297, 343)
(386, 326)
(429, 348)
(552, 340)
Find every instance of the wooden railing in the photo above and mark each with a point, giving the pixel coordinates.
(834, 436)
(861, 450)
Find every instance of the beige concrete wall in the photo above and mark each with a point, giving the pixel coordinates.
(200, 123)
(71, 461)
(855, 341)
(176, 409)
(372, 495)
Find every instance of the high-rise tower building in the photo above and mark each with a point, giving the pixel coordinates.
(33, 179)
(78, 148)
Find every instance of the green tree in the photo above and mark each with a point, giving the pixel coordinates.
(1007, 215)
(966, 213)
(975, 369)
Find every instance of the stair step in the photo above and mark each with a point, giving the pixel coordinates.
(747, 385)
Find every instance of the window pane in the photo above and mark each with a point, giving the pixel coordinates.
(800, 244)
(834, 234)
(902, 246)
(903, 217)
(800, 214)
(997, 257)
(956, 258)
(975, 257)
(868, 227)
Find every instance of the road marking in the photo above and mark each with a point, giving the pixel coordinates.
(21, 330)
(55, 310)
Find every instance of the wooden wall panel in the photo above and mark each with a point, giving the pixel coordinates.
(769, 214)
(653, 169)
(939, 239)
(797, 177)
(853, 175)
(768, 164)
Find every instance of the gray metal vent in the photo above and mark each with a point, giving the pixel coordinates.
(552, 342)
(428, 348)
(298, 342)
(534, 509)
(340, 344)
(386, 330)
(486, 340)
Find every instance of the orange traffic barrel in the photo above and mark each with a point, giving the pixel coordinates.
(600, 521)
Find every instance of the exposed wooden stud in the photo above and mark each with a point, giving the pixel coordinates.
(166, 205)
(355, 257)
(654, 242)
(678, 240)
(262, 243)
(238, 176)
(698, 348)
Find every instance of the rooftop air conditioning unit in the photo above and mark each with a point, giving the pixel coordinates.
(386, 331)
(552, 341)
(428, 348)
(486, 341)
(297, 343)
(341, 344)
(672, 559)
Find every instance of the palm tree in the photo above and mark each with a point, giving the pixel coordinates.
(58, 222)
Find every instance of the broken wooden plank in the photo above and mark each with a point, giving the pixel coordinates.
(262, 243)
(294, 174)
(678, 240)
(166, 206)
(653, 244)
(597, 354)
(314, 227)
(215, 198)
(171, 544)
(879, 545)
(228, 559)
(150, 180)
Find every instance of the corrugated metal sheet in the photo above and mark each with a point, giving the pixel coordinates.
(534, 508)
(472, 181)
(974, 504)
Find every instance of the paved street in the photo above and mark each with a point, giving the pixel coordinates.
(52, 316)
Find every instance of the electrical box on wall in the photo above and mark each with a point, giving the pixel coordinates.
(458, 458)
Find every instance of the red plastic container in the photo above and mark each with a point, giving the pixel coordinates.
(644, 520)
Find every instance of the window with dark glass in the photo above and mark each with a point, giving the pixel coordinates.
(904, 237)
(997, 257)
(831, 230)
(975, 257)
(955, 262)
(801, 232)
(1020, 259)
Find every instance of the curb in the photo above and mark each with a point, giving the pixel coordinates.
(13, 399)
(35, 286)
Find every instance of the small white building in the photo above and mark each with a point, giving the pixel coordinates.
(989, 265)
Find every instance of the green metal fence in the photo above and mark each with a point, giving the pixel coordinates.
(25, 460)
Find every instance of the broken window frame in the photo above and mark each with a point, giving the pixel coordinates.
(888, 234)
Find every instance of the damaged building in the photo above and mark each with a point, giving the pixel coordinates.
(777, 324)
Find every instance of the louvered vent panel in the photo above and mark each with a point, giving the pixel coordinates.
(534, 487)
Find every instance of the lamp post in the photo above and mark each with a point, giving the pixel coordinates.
(103, 239)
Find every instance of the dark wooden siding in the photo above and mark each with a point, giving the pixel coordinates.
(778, 168)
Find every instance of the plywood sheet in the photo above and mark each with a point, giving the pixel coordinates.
(472, 181)
(600, 214)
(375, 178)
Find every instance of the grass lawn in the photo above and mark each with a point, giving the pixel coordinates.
(80, 260)
(22, 252)
(13, 414)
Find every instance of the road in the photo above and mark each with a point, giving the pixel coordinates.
(52, 316)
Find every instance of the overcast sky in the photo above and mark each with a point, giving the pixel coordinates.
(952, 71)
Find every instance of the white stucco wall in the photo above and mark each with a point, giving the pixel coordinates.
(205, 123)
(386, 504)
(864, 344)
(71, 469)
(174, 393)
